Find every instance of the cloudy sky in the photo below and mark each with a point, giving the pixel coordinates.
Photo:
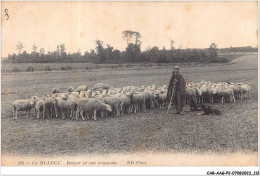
(79, 24)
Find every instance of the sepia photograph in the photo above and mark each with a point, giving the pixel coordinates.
(129, 83)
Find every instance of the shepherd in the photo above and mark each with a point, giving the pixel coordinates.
(176, 90)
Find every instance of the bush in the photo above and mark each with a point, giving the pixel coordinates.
(29, 69)
(114, 66)
(16, 69)
(88, 68)
(219, 60)
(67, 68)
(128, 65)
(47, 68)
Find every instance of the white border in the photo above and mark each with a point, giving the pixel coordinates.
(127, 170)
(119, 170)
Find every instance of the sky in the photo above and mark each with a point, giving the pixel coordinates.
(79, 24)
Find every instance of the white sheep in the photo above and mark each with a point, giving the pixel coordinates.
(61, 105)
(81, 88)
(149, 98)
(125, 102)
(246, 91)
(227, 95)
(49, 105)
(39, 106)
(22, 105)
(161, 98)
(101, 86)
(91, 105)
(115, 103)
(191, 96)
(138, 101)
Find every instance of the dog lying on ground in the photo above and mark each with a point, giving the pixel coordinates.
(209, 111)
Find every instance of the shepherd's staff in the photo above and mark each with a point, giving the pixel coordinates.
(170, 103)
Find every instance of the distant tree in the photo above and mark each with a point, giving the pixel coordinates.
(78, 54)
(153, 54)
(213, 45)
(213, 50)
(133, 52)
(19, 47)
(93, 56)
(161, 57)
(62, 48)
(129, 34)
(172, 42)
(24, 57)
(12, 58)
(101, 56)
(137, 37)
(42, 51)
(58, 50)
(109, 53)
(34, 48)
(117, 56)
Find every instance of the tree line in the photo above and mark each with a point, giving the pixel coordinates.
(105, 53)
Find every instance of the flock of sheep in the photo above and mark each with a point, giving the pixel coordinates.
(103, 100)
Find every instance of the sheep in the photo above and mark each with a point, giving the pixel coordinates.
(22, 105)
(101, 86)
(138, 101)
(191, 97)
(90, 105)
(81, 88)
(72, 95)
(70, 89)
(209, 95)
(49, 105)
(56, 90)
(125, 99)
(83, 94)
(75, 94)
(39, 106)
(202, 94)
(246, 91)
(115, 103)
(161, 99)
(227, 95)
(81, 104)
(125, 102)
(61, 105)
(149, 98)
(216, 94)
(237, 91)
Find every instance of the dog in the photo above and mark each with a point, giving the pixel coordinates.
(209, 111)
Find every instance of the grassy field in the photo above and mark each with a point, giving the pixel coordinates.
(154, 131)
